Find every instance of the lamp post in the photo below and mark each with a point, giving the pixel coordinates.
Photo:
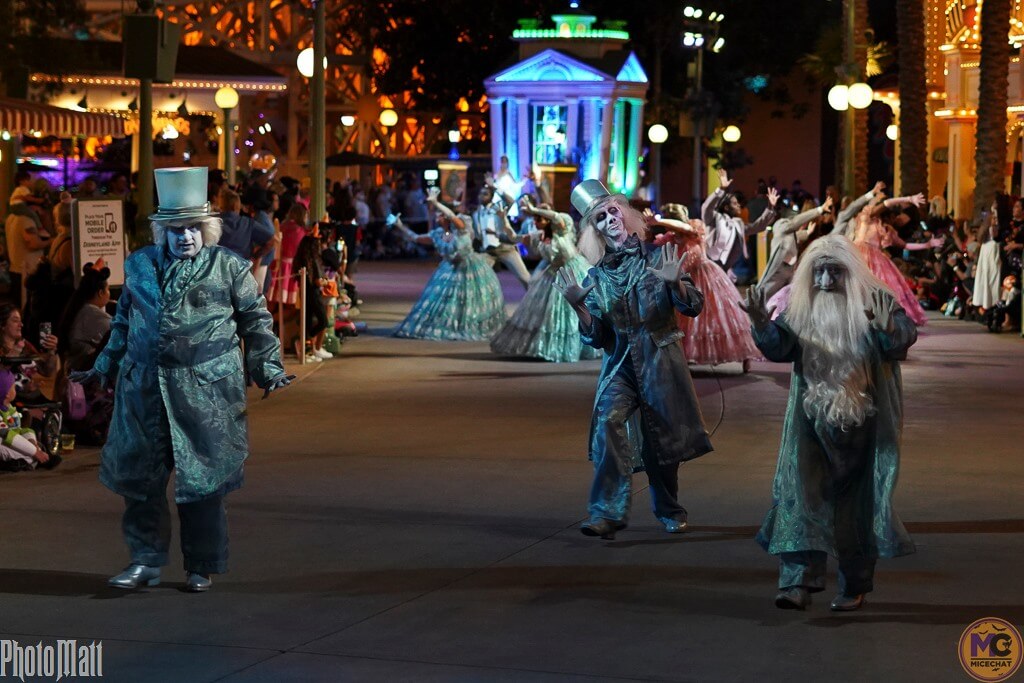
(700, 29)
(657, 134)
(227, 99)
(317, 114)
(453, 137)
(848, 98)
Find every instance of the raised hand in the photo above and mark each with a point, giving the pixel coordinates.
(827, 204)
(773, 197)
(756, 306)
(881, 312)
(566, 283)
(918, 200)
(879, 186)
(670, 269)
(433, 194)
(723, 178)
(278, 383)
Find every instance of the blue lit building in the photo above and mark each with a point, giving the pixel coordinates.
(575, 97)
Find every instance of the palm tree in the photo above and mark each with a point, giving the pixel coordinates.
(862, 33)
(913, 84)
(990, 154)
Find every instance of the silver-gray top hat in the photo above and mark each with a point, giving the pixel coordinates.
(182, 193)
(586, 193)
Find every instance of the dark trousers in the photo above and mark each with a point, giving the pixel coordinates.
(807, 570)
(204, 532)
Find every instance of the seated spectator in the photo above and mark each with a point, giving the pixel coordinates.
(241, 234)
(86, 323)
(19, 447)
(35, 379)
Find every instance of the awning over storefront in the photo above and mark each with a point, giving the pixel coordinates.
(21, 116)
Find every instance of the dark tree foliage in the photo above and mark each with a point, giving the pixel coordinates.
(26, 27)
(440, 51)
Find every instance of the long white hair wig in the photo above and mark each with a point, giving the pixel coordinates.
(210, 226)
(591, 243)
(833, 328)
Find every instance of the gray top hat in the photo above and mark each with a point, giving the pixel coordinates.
(586, 193)
(182, 192)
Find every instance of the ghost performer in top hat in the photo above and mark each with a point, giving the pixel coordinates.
(179, 403)
(646, 414)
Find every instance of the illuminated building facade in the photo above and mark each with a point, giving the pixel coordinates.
(575, 97)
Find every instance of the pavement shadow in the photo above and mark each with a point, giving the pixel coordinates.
(59, 584)
(919, 613)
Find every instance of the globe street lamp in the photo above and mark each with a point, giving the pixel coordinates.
(657, 134)
(700, 29)
(731, 134)
(227, 99)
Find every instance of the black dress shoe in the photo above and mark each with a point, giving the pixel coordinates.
(605, 528)
(847, 603)
(135, 575)
(793, 598)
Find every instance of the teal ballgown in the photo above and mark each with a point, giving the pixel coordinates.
(544, 325)
(462, 301)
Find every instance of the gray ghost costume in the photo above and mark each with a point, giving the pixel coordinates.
(646, 414)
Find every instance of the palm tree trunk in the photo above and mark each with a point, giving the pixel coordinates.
(913, 140)
(990, 153)
(860, 165)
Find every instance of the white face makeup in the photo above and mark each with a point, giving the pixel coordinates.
(184, 242)
(609, 223)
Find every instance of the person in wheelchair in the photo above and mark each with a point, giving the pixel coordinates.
(19, 447)
(35, 373)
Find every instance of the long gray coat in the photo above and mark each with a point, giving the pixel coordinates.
(634, 320)
(180, 392)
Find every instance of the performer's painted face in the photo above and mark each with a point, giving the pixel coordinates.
(184, 242)
(608, 221)
(829, 275)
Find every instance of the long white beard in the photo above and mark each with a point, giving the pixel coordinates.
(834, 360)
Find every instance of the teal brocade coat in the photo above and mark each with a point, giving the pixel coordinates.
(804, 513)
(634, 323)
(180, 386)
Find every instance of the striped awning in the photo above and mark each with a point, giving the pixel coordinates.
(21, 116)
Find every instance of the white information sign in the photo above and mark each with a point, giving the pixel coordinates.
(98, 229)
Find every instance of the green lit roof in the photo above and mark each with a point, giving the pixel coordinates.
(570, 26)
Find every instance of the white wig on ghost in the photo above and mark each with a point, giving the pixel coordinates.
(833, 328)
(591, 243)
(210, 226)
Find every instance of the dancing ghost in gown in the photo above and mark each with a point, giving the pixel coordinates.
(545, 326)
(463, 300)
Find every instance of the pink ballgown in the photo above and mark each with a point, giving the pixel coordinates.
(872, 236)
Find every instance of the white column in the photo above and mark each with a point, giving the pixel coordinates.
(592, 137)
(635, 133)
(607, 124)
(571, 126)
(525, 139)
(497, 133)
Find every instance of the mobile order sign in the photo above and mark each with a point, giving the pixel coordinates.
(98, 229)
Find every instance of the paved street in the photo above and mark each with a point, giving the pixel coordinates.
(411, 513)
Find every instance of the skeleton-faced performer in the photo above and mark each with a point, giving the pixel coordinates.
(179, 403)
(646, 414)
(839, 458)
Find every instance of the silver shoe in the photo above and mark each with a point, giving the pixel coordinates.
(675, 526)
(197, 583)
(847, 603)
(793, 598)
(135, 575)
